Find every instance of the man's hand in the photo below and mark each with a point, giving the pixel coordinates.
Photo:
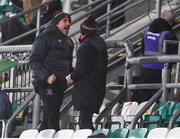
(68, 79)
(51, 79)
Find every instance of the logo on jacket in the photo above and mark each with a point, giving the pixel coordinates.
(60, 41)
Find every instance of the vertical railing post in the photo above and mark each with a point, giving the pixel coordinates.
(108, 19)
(177, 78)
(158, 8)
(37, 100)
(129, 81)
(38, 23)
(128, 68)
(165, 79)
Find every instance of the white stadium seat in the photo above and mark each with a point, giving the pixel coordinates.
(47, 133)
(158, 133)
(64, 133)
(31, 133)
(82, 133)
(174, 133)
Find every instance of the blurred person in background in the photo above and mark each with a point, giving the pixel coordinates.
(159, 30)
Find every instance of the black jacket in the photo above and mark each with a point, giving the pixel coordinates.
(5, 106)
(51, 54)
(90, 74)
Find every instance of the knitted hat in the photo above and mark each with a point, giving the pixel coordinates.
(59, 17)
(88, 26)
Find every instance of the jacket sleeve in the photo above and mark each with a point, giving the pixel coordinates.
(85, 62)
(36, 60)
(70, 56)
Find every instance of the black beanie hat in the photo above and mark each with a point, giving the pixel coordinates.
(88, 26)
(59, 17)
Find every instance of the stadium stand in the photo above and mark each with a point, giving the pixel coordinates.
(155, 120)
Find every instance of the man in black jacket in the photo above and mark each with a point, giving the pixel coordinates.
(89, 75)
(51, 62)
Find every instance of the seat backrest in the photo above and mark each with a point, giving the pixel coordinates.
(117, 121)
(47, 133)
(140, 106)
(82, 133)
(129, 108)
(31, 133)
(174, 133)
(171, 107)
(64, 133)
(158, 133)
(115, 109)
(176, 107)
(149, 111)
(106, 132)
(120, 133)
(138, 133)
(152, 121)
(161, 108)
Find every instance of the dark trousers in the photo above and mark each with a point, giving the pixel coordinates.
(85, 120)
(51, 105)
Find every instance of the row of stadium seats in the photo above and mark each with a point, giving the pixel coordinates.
(51, 133)
(118, 133)
(141, 133)
(121, 115)
(161, 114)
(158, 115)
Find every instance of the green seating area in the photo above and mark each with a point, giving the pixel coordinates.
(21, 116)
(6, 7)
(158, 119)
(120, 133)
(161, 114)
(123, 133)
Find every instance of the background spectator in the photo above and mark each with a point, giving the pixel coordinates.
(159, 30)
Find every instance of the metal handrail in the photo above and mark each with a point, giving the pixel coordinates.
(22, 13)
(162, 92)
(21, 107)
(74, 21)
(154, 59)
(110, 105)
(111, 13)
(173, 119)
(3, 128)
(20, 89)
(153, 99)
(36, 7)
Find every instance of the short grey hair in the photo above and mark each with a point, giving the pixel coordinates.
(168, 15)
